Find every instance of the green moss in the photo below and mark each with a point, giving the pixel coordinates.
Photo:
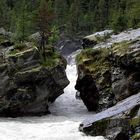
(135, 122)
(18, 48)
(121, 48)
(86, 54)
(52, 58)
(136, 137)
(95, 60)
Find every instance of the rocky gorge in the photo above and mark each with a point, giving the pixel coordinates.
(29, 84)
(108, 83)
(108, 74)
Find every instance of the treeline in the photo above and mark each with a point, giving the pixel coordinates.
(72, 16)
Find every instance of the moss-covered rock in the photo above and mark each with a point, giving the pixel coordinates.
(135, 122)
(136, 137)
(135, 128)
(115, 70)
(27, 84)
(18, 48)
(95, 62)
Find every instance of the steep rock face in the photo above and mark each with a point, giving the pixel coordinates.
(88, 92)
(115, 71)
(67, 46)
(27, 83)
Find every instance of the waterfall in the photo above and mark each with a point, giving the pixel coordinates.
(62, 124)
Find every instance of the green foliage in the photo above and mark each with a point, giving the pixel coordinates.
(95, 62)
(54, 36)
(119, 23)
(61, 12)
(52, 57)
(136, 136)
(73, 17)
(121, 48)
(135, 122)
(4, 14)
(22, 23)
(18, 48)
(134, 13)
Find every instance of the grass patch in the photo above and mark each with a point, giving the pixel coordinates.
(96, 60)
(135, 122)
(18, 48)
(52, 58)
(136, 137)
(121, 48)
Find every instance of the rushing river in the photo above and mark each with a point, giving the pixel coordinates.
(62, 124)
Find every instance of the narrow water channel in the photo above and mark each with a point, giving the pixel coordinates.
(66, 114)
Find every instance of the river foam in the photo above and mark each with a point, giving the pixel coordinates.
(62, 124)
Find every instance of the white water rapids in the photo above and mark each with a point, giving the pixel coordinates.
(66, 115)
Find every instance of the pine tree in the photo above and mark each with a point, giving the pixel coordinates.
(119, 23)
(60, 12)
(22, 23)
(44, 19)
(4, 15)
(77, 16)
(74, 16)
(133, 10)
(11, 3)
